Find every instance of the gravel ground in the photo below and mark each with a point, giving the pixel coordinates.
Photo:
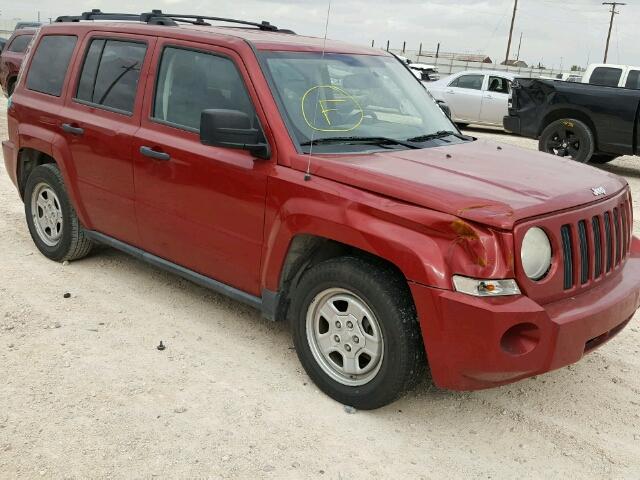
(85, 393)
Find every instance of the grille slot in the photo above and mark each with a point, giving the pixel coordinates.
(618, 238)
(567, 251)
(609, 243)
(584, 252)
(597, 246)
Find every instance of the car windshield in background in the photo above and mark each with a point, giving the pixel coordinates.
(340, 103)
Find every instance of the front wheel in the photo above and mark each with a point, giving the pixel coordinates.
(356, 333)
(568, 138)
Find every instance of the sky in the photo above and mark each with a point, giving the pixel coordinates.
(555, 32)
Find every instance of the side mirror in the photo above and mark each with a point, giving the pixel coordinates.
(232, 129)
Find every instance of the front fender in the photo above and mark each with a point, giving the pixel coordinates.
(428, 247)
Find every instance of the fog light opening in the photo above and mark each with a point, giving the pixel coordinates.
(520, 339)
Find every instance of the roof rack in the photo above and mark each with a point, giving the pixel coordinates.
(156, 17)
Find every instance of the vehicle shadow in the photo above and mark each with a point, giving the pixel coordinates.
(621, 170)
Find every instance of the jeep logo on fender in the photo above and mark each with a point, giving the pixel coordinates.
(597, 191)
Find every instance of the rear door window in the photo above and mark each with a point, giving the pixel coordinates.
(606, 77)
(110, 74)
(470, 82)
(499, 85)
(633, 80)
(20, 44)
(50, 63)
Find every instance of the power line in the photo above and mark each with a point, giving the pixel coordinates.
(513, 21)
(614, 12)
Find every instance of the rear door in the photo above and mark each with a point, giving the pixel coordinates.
(99, 118)
(199, 206)
(495, 100)
(464, 97)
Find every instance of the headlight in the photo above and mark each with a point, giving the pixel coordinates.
(536, 253)
(485, 288)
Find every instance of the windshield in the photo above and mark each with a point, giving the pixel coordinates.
(349, 103)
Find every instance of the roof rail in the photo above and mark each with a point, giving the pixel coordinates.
(156, 17)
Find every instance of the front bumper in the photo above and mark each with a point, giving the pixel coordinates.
(474, 343)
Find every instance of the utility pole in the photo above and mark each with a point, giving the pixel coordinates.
(614, 12)
(513, 21)
(519, 46)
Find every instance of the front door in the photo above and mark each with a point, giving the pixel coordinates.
(199, 206)
(464, 97)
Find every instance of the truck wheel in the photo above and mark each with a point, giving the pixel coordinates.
(52, 220)
(601, 158)
(356, 333)
(568, 138)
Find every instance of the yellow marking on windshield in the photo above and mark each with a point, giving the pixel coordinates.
(329, 105)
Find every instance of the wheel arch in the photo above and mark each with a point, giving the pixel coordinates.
(38, 146)
(569, 113)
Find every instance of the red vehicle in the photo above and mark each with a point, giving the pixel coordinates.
(11, 58)
(320, 183)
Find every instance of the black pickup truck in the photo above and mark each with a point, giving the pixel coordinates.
(587, 123)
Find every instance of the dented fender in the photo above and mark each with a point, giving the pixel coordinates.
(427, 246)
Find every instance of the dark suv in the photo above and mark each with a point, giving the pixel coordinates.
(320, 183)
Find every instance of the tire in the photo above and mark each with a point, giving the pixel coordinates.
(462, 125)
(10, 87)
(600, 158)
(385, 326)
(52, 220)
(568, 138)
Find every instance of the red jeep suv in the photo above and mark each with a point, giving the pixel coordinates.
(319, 182)
(11, 58)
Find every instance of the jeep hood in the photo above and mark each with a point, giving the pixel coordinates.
(496, 185)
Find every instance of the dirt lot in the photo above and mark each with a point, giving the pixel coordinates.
(85, 393)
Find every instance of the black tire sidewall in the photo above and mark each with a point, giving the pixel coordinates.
(580, 129)
(388, 384)
(45, 174)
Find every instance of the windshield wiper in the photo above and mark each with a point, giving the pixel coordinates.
(355, 140)
(438, 135)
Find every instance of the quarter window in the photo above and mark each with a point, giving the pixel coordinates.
(470, 82)
(50, 63)
(606, 76)
(191, 81)
(20, 44)
(110, 74)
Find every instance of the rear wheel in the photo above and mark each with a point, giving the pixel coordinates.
(52, 220)
(356, 333)
(10, 87)
(568, 138)
(601, 158)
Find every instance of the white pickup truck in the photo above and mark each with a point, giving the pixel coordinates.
(607, 75)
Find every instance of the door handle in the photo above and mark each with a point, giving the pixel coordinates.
(490, 97)
(67, 127)
(155, 154)
(451, 92)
